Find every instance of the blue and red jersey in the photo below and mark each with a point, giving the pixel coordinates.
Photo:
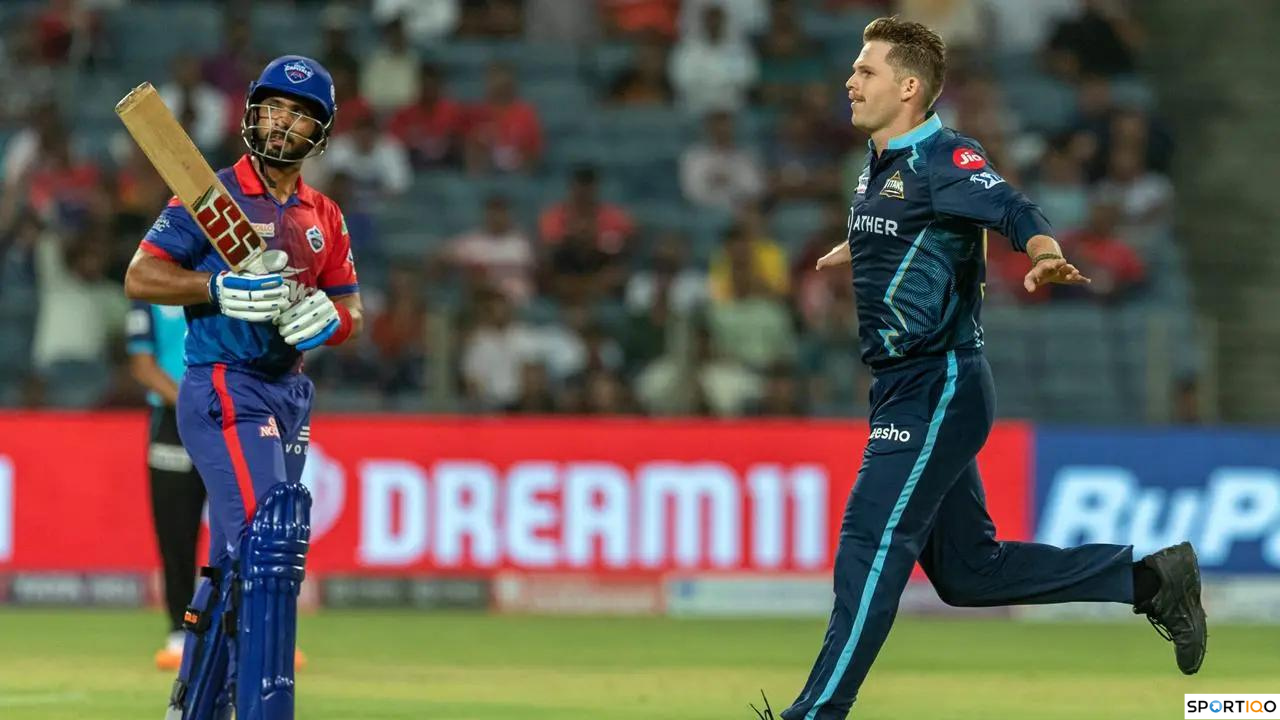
(309, 227)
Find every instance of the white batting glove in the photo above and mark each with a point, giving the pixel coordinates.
(309, 322)
(247, 296)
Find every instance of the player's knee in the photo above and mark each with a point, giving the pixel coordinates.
(955, 592)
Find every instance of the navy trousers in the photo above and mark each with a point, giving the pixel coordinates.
(919, 497)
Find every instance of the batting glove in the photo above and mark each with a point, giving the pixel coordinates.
(309, 322)
(248, 296)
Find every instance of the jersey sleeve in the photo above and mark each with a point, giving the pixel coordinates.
(965, 187)
(139, 330)
(174, 236)
(338, 276)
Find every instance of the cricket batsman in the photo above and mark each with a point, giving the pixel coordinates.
(244, 405)
(916, 241)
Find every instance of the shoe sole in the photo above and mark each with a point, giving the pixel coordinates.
(1191, 596)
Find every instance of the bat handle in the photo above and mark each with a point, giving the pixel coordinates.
(269, 261)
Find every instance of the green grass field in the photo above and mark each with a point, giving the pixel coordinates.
(97, 665)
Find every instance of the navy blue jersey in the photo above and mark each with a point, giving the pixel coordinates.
(917, 236)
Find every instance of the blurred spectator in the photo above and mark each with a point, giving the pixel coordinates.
(235, 65)
(80, 310)
(68, 32)
(754, 326)
(649, 326)
(24, 81)
(1114, 267)
(747, 243)
(495, 350)
(578, 271)
(571, 22)
(353, 109)
(492, 19)
(398, 333)
(783, 394)
(744, 19)
(425, 21)
(140, 193)
(432, 126)
(788, 60)
(799, 166)
(1186, 401)
(64, 188)
(338, 22)
(349, 366)
(359, 214)
(377, 163)
(536, 397)
(710, 69)
(42, 133)
(1101, 40)
(636, 18)
(610, 225)
(829, 122)
(498, 252)
(961, 23)
(606, 394)
(390, 76)
(704, 382)
(667, 278)
(718, 173)
(1019, 26)
(1060, 190)
(644, 82)
(505, 134)
(199, 106)
(1145, 198)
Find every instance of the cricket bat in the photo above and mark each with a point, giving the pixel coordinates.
(189, 176)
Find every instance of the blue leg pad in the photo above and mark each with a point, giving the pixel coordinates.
(272, 556)
(202, 690)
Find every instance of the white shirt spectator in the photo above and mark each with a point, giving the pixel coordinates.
(720, 177)
(712, 76)
(1024, 27)
(687, 291)
(1143, 200)
(379, 166)
(492, 359)
(507, 259)
(76, 317)
(745, 18)
(210, 109)
(425, 20)
(389, 79)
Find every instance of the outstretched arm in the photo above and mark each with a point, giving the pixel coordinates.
(839, 255)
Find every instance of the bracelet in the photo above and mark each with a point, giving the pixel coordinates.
(1045, 256)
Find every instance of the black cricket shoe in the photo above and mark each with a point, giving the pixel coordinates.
(767, 713)
(1175, 610)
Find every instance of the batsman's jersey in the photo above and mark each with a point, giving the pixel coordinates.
(309, 227)
(917, 235)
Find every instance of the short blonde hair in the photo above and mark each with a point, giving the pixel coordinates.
(916, 50)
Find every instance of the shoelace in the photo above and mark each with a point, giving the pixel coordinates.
(1161, 629)
(767, 713)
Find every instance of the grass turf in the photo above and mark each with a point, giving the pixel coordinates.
(90, 665)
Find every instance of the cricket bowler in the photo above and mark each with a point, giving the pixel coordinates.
(243, 404)
(916, 240)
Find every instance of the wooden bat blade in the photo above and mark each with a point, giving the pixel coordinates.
(179, 162)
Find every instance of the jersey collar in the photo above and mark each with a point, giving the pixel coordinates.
(932, 124)
(251, 184)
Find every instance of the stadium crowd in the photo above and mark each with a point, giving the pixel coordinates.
(562, 285)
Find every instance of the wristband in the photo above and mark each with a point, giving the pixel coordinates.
(344, 325)
(213, 292)
(1045, 256)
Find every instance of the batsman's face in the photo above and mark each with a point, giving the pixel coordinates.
(286, 125)
(875, 96)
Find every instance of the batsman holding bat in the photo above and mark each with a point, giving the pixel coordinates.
(244, 405)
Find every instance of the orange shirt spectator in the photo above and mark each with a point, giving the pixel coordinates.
(504, 133)
(613, 225)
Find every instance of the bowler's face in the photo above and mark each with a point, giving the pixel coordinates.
(874, 94)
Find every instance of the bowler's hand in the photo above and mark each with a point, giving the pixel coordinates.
(1053, 270)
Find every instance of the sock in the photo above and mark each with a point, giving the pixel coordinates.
(1145, 584)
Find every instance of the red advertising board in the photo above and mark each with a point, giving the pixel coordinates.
(400, 494)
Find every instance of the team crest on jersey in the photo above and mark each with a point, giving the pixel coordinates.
(316, 238)
(893, 187)
(264, 230)
(298, 71)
